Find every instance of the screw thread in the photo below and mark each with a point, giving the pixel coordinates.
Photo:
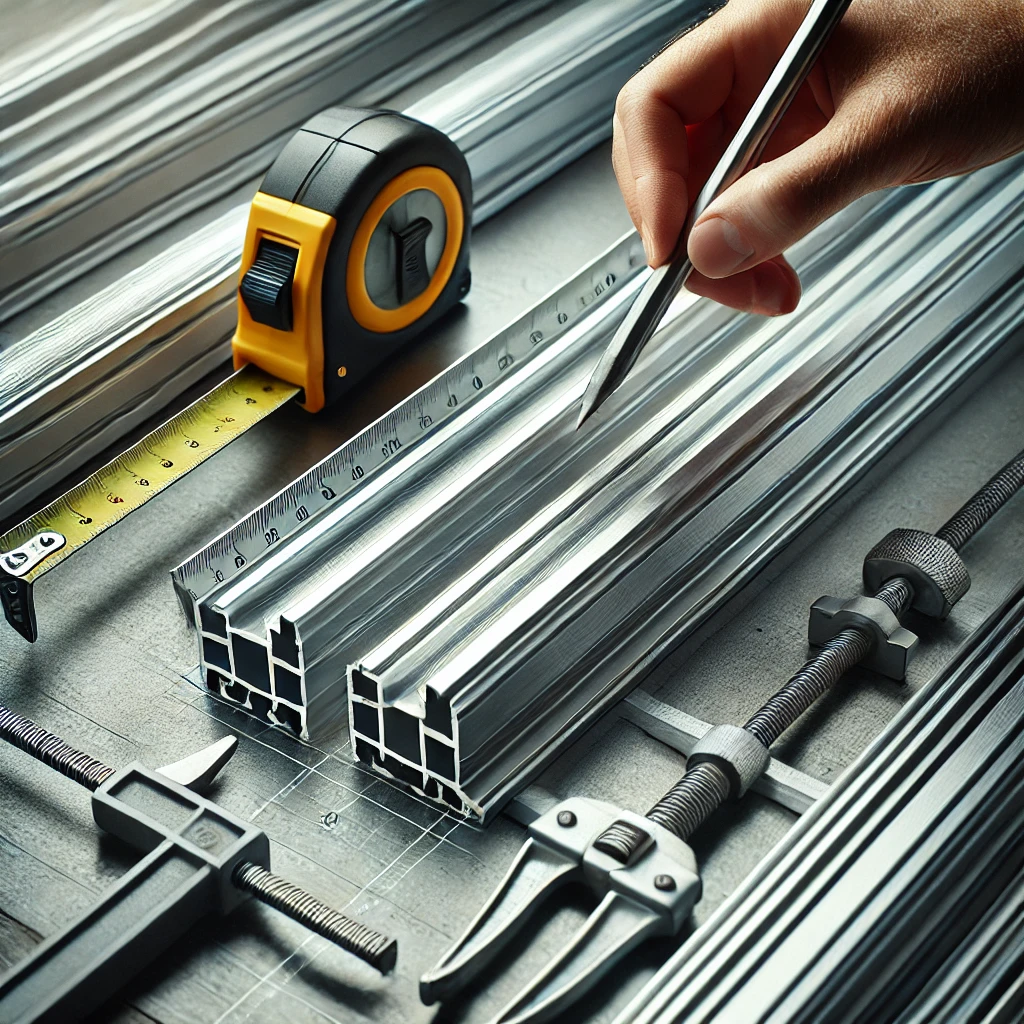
(377, 950)
(52, 750)
(691, 801)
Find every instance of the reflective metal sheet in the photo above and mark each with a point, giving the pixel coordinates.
(519, 117)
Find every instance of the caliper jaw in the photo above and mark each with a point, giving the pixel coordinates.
(549, 859)
(649, 893)
(198, 770)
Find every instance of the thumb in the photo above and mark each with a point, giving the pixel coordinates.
(777, 203)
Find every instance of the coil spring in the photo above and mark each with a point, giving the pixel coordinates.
(984, 504)
(367, 944)
(690, 802)
(52, 750)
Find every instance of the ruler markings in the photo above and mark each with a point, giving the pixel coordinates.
(154, 463)
(344, 471)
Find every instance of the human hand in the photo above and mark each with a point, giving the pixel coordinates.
(903, 92)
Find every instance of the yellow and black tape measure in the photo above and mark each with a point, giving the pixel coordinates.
(357, 241)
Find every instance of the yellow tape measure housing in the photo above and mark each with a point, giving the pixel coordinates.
(357, 241)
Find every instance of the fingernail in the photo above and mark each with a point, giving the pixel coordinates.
(771, 290)
(645, 237)
(717, 248)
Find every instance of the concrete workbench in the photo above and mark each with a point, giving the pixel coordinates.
(109, 674)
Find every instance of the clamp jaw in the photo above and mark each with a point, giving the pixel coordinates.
(652, 893)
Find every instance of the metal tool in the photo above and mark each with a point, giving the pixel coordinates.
(198, 859)
(884, 894)
(357, 241)
(641, 869)
(742, 153)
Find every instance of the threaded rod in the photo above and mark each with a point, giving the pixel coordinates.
(701, 790)
(691, 801)
(984, 504)
(52, 750)
(377, 950)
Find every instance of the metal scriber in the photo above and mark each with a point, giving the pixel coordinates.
(198, 858)
(742, 153)
(640, 868)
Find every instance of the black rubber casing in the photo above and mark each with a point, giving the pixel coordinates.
(337, 163)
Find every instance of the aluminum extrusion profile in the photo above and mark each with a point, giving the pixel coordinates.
(883, 896)
(982, 980)
(507, 582)
(161, 343)
(178, 104)
(689, 480)
(313, 524)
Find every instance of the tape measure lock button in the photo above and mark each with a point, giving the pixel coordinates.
(266, 287)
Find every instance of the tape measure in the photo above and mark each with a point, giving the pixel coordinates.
(357, 241)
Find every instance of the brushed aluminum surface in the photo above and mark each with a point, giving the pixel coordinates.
(502, 581)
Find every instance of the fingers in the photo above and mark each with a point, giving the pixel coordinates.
(776, 204)
(675, 116)
(769, 289)
(685, 85)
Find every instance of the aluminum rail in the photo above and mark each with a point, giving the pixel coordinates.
(177, 104)
(891, 882)
(581, 588)
(500, 581)
(982, 980)
(111, 362)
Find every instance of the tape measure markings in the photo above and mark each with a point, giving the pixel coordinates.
(348, 468)
(145, 469)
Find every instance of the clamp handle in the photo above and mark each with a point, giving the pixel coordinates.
(75, 971)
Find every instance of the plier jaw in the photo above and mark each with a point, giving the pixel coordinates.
(645, 887)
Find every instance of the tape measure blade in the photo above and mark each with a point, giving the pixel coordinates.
(127, 482)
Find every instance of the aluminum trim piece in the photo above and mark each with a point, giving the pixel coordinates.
(982, 981)
(518, 119)
(888, 877)
(180, 104)
(503, 581)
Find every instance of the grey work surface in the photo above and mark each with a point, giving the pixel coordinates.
(107, 673)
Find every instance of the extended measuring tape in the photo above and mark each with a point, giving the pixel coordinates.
(357, 241)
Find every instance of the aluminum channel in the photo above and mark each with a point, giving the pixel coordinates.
(76, 385)
(503, 580)
(167, 108)
(629, 539)
(891, 880)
